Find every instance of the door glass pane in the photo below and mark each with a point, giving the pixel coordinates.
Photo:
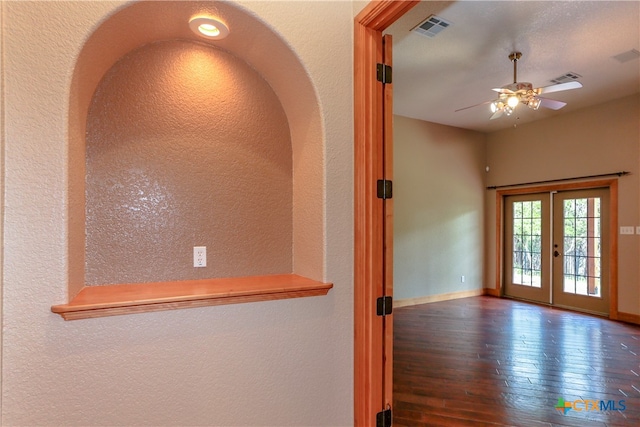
(581, 250)
(527, 243)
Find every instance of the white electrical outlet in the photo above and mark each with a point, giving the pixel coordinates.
(626, 230)
(637, 229)
(199, 256)
(461, 279)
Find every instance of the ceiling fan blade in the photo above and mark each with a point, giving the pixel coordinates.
(551, 103)
(497, 114)
(471, 106)
(559, 87)
(503, 90)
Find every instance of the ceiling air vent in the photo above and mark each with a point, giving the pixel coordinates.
(431, 26)
(627, 56)
(567, 77)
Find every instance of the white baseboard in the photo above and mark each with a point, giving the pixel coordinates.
(397, 303)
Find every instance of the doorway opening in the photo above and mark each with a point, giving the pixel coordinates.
(558, 245)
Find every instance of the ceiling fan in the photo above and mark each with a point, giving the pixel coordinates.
(516, 93)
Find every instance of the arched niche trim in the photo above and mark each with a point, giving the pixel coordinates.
(253, 41)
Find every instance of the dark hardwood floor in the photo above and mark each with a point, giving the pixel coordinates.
(486, 361)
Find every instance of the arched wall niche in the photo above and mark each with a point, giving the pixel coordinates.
(250, 40)
(186, 145)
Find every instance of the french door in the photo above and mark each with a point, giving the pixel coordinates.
(580, 250)
(527, 247)
(556, 248)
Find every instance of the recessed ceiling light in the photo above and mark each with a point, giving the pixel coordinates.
(208, 27)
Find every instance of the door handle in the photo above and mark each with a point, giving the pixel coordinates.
(556, 253)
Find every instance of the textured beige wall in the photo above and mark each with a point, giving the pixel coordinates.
(597, 140)
(272, 363)
(438, 209)
(186, 146)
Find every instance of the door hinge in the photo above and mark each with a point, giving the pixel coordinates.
(385, 189)
(384, 306)
(383, 419)
(383, 72)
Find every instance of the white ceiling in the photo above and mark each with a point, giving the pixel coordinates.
(433, 77)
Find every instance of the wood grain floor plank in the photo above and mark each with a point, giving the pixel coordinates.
(486, 361)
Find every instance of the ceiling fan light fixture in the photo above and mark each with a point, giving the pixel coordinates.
(534, 103)
(497, 105)
(511, 95)
(513, 101)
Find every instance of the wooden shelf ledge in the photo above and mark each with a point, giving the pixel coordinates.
(114, 300)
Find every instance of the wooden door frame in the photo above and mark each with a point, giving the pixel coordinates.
(370, 390)
(611, 185)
